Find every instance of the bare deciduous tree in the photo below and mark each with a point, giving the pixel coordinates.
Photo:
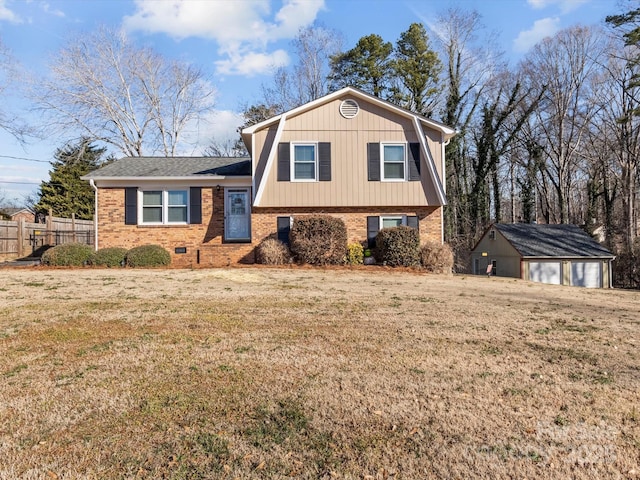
(9, 77)
(307, 79)
(565, 64)
(106, 89)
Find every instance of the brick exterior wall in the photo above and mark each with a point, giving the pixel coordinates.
(205, 242)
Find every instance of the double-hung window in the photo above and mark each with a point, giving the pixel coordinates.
(304, 165)
(394, 160)
(165, 206)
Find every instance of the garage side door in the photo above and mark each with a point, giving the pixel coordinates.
(545, 272)
(586, 274)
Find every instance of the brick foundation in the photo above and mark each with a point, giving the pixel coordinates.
(264, 220)
(204, 243)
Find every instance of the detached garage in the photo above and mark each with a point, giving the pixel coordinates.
(553, 254)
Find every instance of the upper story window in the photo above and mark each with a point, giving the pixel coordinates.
(304, 165)
(394, 159)
(164, 206)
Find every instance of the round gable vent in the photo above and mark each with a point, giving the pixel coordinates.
(349, 108)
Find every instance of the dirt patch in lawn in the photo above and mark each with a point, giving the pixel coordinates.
(314, 373)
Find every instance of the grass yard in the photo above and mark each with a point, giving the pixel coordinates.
(310, 373)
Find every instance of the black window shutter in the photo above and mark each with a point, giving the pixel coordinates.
(195, 205)
(373, 161)
(324, 159)
(414, 162)
(131, 206)
(284, 162)
(412, 221)
(284, 227)
(373, 227)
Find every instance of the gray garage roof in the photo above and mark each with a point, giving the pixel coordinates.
(532, 240)
(172, 167)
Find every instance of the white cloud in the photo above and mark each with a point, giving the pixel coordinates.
(53, 11)
(566, 6)
(242, 30)
(222, 127)
(541, 29)
(8, 15)
(252, 63)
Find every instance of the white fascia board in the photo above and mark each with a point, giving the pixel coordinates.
(268, 167)
(429, 161)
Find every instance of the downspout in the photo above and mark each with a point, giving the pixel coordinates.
(95, 214)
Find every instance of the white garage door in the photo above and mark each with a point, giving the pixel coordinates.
(545, 272)
(586, 274)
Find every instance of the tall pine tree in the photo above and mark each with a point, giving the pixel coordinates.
(65, 193)
(417, 67)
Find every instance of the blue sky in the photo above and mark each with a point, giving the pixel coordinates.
(237, 42)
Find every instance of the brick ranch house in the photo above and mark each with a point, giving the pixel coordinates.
(347, 154)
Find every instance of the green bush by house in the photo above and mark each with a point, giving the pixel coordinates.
(67, 255)
(148, 256)
(109, 257)
(272, 251)
(398, 247)
(318, 240)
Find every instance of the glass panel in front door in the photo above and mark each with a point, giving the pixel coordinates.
(238, 215)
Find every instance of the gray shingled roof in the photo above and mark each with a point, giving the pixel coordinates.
(532, 240)
(151, 167)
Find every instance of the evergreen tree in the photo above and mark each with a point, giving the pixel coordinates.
(417, 68)
(368, 66)
(65, 193)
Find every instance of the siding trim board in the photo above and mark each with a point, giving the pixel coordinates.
(435, 179)
(270, 160)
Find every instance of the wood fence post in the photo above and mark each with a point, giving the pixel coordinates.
(73, 226)
(50, 227)
(20, 237)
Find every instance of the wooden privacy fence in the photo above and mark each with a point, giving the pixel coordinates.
(21, 239)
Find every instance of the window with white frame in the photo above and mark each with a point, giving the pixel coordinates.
(164, 206)
(394, 160)
(304, 164)
(393, 221)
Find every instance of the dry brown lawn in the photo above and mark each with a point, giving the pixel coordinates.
(310, 373)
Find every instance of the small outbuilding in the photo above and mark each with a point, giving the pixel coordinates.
(554, 254)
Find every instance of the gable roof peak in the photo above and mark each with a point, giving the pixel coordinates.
(447, 131)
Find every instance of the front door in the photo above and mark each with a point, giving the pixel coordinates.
(237, 215)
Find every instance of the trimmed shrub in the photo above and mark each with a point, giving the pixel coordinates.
(318, 240)
(67, 255)
(355, 254)
(272, 251)
(148, 256)
(398, 247)
(109, 257)
(436, 258)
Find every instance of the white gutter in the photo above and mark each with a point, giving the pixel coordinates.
(95, 214)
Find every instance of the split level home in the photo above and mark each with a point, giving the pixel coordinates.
(348, 154)
(554, 254)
